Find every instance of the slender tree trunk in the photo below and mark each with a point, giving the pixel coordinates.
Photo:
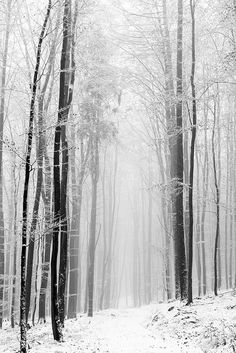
(43, 108)
(198, 231)
(219, 186)
(34, 222)
(227, 205)
(104, 233)
(179, 234)
(93, 219)
(217, 206)
(48, 239)
(205, 193)
(75, 261)
(193, 129)
(15, 194)
(36, 283)
(2, 116)
(23, 343)
(149, 243)
(171, 129)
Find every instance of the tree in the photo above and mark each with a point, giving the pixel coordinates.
(40, 152)
(2, 116)
(179, 233)
(60, 175)
(217, 201)
(23, 327)
(193, 129)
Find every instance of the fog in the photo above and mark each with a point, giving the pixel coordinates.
(117, 156)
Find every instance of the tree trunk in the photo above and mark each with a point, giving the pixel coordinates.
(217, 206)
(2, 116)
(43, 108)
(23, 344)
(93, 218)
(67, 66)
(191, 174)
(179, 231)
(198, 231)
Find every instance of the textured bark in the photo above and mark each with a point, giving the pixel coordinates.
(69, 64)
(56, 307)
(23, 343)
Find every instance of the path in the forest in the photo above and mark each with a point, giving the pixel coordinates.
(126, 331)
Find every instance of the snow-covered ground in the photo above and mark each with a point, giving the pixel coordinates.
(209, 325)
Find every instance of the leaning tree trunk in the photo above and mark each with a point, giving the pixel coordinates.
(23, 330)
(43, 109)
(32, 239)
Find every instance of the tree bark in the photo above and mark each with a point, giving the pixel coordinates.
(23, 329)
(179, 233)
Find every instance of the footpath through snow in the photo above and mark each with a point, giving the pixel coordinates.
(209, 325)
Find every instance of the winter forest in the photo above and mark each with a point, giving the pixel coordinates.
(118, 176)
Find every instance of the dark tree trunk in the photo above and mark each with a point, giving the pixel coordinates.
(23, 344)
(67, 76)
(179, 233)
(64, 172)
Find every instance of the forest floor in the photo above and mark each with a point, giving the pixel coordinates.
(209, 325)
